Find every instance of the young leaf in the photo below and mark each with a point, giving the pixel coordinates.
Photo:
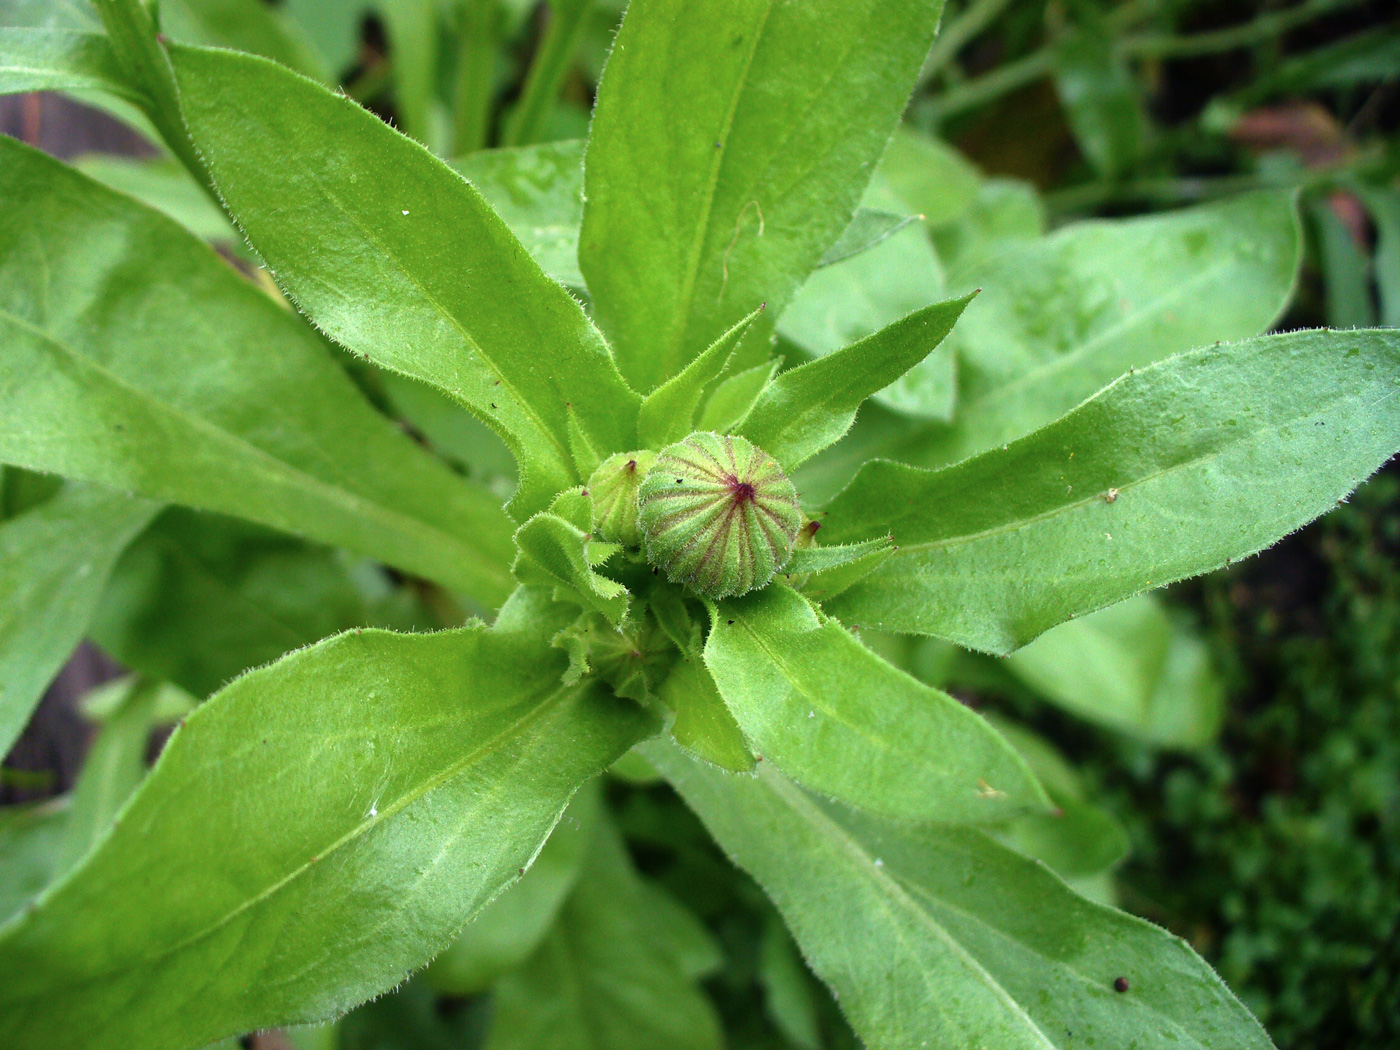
(1171, 471)
(243, 25)
(936, 935)
(869, 227)
(394, 784)
(395, 256)
(730, 145)
(1131, 668)
(556, 552)
(668, 412)
(130, 367)
(852, 300)
(113, 767)
(61, 60)
(703, 724)
(734, 396)
(600, 981)
(54, 563)
(1060, 317)
(836, 717)
(812, 406)
(822, 559)
(511, 927)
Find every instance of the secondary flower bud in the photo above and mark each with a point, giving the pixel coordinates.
(717, 514)
(613, 489)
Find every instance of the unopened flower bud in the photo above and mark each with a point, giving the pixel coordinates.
(717, 515)
(613, 490)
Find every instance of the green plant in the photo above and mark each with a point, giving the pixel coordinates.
(328, 822)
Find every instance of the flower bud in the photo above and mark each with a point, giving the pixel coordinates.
(717, 515)
(613, 490)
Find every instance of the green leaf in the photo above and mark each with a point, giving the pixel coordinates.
(1060, 317)
(54, 564)
(834, 716)
(703, 724)
(413, 36)
(937, 936)
(822, 559)
(127, 363)
(731, 143)
(1169, 472)
(929, 176)
(1131, 668)
(163, 184)
(787, 987)
(1345, 269)
(396, 257)
(556, 552)
(538, 192)
(49, 14)
(394, 785)
(1005, 212)
(30, 840)
(668, 412)
(1384, 206)
(199, 599)
(61, 60)
(735, 396)
(511, 927)
(1100, 99)
(812, 406)
(599, 981)
(243, 25)
(851, 301)
(1078, 839)
(114, 765)
(869, 227)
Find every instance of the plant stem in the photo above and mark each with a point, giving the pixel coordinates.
(476, 75)
(547, 70)
(1037, 64)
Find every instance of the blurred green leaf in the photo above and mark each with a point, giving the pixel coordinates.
(834, 716)
(704, 198)
(936, 935)
(1346, 273)
(61, 60)
(54, 564)
(31, 838)
(243, 25)
(127, 364)
(1100, 98)
(851, 300)
(396, 257)
(394, 784)
(929, 176)
(161, 183)
(1131, 668)
(1169, 472)
(199, 599)
(599, 981)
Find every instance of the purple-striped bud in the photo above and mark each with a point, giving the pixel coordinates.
(717, 515)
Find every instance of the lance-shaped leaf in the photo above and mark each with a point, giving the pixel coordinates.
(511, 927)
(395, 256)
(703, 723)
(810, 407)
(602, 980)
(243, 25)
(126, 362)
(735, 396)
(731, 143)
(392, 785)
(556, 552)
(836, 717)
(1171, 471)
(54, 563)
(668, 412)
(61, 60)
(1129, 667)
(869, 227)
(1061, 316)
(936, 936)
